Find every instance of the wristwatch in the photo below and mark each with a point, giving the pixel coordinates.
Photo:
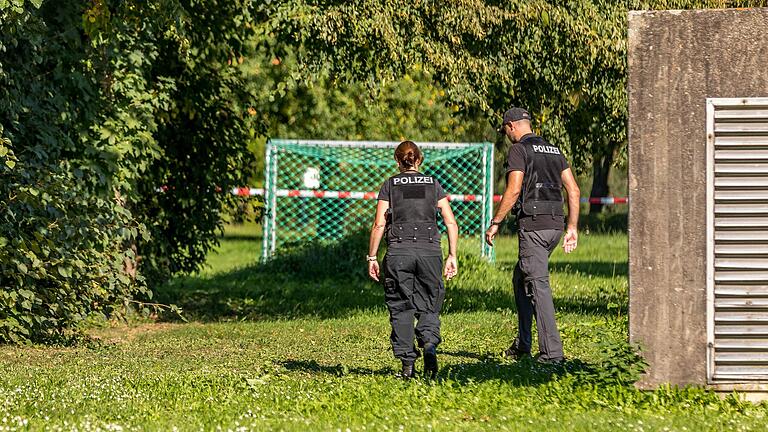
(493, 222)
(370, 258)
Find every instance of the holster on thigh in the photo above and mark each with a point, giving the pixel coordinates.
(397, 300)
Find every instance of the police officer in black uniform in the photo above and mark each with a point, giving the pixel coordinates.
(413, 286)
(536, 174)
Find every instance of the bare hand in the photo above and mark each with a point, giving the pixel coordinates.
(451, 267)
(570, 240)
(491, 233)
(373, 270)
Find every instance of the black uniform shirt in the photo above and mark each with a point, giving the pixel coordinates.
(517, 160)
(384, 191)
(431, 248)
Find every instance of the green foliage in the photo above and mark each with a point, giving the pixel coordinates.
(100, 104)
(619, 364)
(203, 135)
(60, 259)
(65, 233)
(408, 108)
(322, 108)
(565, 61)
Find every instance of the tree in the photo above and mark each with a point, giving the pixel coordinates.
(410, 107)
(101, 103)
(565, 61)
(558, 60)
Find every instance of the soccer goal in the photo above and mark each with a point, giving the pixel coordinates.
(326, 189)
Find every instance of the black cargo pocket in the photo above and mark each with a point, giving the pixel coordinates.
(394, 299)
(389, 285)
(390, 289)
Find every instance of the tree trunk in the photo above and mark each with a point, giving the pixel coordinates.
(600, 170)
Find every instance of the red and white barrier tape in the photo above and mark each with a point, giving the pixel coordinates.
(605, 200)
(303, 193)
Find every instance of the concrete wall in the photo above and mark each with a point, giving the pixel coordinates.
(677, 59)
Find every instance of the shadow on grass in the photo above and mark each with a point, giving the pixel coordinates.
(593, 268)
(522, 372)
(328, 280)
(313, 367)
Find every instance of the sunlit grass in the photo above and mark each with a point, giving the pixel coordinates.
(268, 350)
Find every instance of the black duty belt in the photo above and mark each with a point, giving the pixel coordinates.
(538, 207)
(414, 231)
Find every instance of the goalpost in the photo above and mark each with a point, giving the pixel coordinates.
(325, 189)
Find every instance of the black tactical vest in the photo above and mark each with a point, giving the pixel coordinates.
(541, 194)
(412, 219)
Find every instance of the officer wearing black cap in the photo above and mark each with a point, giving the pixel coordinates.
(536, 174)
(413, 286)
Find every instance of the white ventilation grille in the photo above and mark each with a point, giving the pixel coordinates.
(737, 240)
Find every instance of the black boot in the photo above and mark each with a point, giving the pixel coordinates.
(549, 361)
(514, 352)
(430, 360)
(408, 371)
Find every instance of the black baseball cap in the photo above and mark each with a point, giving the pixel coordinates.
(512, 115)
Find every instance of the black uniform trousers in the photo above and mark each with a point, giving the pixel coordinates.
(533, 294)
(413, 289)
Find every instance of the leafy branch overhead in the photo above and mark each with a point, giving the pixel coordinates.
(565, 61)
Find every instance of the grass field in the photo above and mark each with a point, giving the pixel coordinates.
(302, 344)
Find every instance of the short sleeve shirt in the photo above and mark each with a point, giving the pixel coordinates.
(517, 159)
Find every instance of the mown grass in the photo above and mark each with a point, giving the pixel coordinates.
(302, 344)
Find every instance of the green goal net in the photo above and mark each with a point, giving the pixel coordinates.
(325, 189)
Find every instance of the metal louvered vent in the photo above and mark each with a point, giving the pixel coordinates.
(737, 240)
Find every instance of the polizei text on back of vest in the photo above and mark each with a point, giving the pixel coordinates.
(546, 149)
(413, 180)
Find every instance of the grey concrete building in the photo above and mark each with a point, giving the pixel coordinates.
(698, 184)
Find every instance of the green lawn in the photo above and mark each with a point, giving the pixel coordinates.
(302, 344)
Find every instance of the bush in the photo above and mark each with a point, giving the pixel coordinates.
(63, 253)
(101, 103)
(620, 363)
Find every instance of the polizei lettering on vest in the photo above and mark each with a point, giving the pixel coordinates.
(546, 149)
(413, 180)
